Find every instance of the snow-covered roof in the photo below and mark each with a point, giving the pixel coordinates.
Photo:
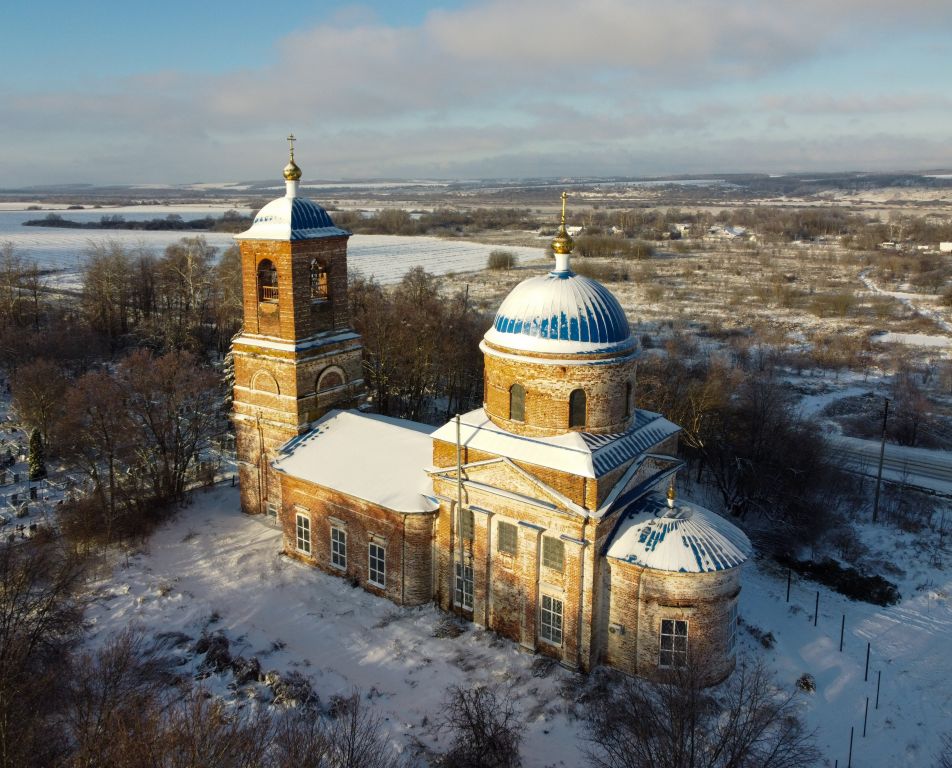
(291, 218)
(561, 312)
(577, 453)
(374, 458)
(686, 538)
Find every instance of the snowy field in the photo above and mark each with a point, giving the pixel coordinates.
(385, 257)
(215, 569)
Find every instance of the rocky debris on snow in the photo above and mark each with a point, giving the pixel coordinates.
(766, 639)
(806, 683)
(542, 666)
(449, 627)
(171, 640)
(246, 670)
(215, 648)
(292, 689)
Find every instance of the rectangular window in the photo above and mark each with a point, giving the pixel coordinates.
(464, 586)
(732, 629)
(466, 524)
(550, 626)
(303, 531)
(674, 643)
(272, 509)
(507, 534)
(339, 548)
(553, 553)
(377, 562)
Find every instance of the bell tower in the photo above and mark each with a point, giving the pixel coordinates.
(297, 355)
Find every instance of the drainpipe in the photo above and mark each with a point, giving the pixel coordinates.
(459, 513)
(581, 599)
(403, 565)
(489, 568)
(641, 583)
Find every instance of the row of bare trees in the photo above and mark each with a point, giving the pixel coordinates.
(187, 298)
(421, 347)
(135, 429)
(743, 432)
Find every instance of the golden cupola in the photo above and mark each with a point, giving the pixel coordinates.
(291, 170)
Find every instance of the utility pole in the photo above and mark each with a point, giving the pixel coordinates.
(882, 455)
(457, 578)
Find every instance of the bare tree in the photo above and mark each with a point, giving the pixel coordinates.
(40, 619)
(356, 739)
(12, 270)
(747, 723)
(174, 403)
(108, 276)
(38, 390)
(944, 758)
(114, 692)
(97, 437)
(484, 726)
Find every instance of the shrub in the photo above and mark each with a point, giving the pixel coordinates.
(37, 457)
(846, 581)
(502, 260)
(484, 726)
(601, 270)
(679, 723)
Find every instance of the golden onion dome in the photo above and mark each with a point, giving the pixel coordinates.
(291, 170)
(563, 242)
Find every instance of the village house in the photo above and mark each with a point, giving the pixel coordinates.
(548, 515)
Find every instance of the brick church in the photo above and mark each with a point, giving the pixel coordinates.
(548, 515)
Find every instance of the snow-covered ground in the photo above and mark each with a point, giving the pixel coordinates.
(214, 568)
(914, 339)
(914, 301)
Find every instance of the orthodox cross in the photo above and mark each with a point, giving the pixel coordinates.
(291, 141)
(564, 196)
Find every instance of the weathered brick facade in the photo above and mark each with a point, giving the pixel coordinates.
(607, 380)
(405, 538)
(525, 553)
(296, 356)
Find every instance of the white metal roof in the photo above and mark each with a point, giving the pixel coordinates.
(577, 453)
(686, 538)
(370, 457)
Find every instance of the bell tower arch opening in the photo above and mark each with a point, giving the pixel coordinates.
(267, 282)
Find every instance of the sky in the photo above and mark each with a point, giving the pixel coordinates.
(181, 92)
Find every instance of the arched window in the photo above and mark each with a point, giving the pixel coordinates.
(577, 408)
(517, 402)
(318, 280)
(267, 281)
(628, 403)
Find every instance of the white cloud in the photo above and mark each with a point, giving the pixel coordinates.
(498, 84)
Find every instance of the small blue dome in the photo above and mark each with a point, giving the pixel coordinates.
(561, 312)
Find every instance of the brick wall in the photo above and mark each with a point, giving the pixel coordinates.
(275, 393)
(639, 599)
(405, 537)
(508, 589)
(548, 387)
(295, 315)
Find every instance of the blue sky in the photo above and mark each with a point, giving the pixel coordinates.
(180, 92)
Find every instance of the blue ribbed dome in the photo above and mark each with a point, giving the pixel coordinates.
(292, 218)
(561, 312)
